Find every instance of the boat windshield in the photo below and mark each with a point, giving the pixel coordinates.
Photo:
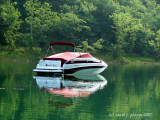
(59, 49)
(63, 48)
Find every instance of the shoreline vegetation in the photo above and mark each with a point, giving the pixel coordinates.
(35, 54)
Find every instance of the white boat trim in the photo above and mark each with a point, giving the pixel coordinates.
(48, 71)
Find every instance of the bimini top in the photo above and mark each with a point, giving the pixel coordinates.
(62, 43)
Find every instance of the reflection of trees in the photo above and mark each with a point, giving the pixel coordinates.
(130, 89)
(136, 89)
(14, 78)
(60, 102)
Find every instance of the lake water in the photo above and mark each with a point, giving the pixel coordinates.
(121, 92)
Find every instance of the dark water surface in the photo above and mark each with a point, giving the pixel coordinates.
(122, 92)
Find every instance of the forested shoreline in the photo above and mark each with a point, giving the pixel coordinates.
(115, 28)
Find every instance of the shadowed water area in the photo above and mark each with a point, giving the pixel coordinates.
(121, 92)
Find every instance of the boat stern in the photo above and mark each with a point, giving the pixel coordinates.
(48, 66)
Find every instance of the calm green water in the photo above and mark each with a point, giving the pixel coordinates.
(128, 92)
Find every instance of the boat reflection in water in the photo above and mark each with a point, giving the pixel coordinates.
(69, 86)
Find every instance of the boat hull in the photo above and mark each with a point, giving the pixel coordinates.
(74, 70)
(75, 66)
(85, 70)
(77, 71)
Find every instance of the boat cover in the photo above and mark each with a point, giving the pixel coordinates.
(67, 56)
(62, 43)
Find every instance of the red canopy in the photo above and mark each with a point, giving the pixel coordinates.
(67, 56)
(62, 43)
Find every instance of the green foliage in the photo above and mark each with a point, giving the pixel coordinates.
(41, 19)
(85, 47)
(156, 44)
(10, 22)
(36, 51)
(116, 27)
(98, 44)
(132, 32)
(87, 7)
(70, 19)
(95, 47)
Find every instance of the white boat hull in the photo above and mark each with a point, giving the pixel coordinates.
(83, 71)
(92, 71)
(47, 71)
(78, 66)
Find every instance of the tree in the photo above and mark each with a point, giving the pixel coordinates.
(41, 19)
(135, 24)
(83, 10)
(70, 26)
(93, 47)
(156, 44)
(10, 22)
(122, 23)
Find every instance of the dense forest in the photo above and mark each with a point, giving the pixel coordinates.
(110, 27)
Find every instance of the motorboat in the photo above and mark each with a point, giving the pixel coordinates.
(69, 62)
(76, 86)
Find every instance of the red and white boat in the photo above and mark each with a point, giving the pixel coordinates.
(70, 62)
